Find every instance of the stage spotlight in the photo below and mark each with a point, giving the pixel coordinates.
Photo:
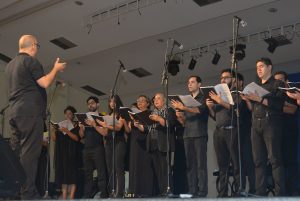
(216, 58)
(192, 64)
(173, 67)
(277, 41)
(239, 52)
(273, 44)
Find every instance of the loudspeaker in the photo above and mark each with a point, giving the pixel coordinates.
(12, 174)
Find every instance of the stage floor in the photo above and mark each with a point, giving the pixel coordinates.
(200, 199)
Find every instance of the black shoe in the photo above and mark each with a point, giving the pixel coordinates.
(201, 195)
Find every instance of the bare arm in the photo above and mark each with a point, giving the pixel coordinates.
(219, 100)
(53, 133)
(81, 130)
(210, 104)
(289, 108)
(180, 117)
(47, 80)
(248, 102)
(69, 133)
(102, 129)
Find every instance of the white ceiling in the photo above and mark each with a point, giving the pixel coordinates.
(95, 60)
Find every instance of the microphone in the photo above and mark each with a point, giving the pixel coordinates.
(163, 77)
(122, 66)
(242, 22)
(180, 46)
(60, 82)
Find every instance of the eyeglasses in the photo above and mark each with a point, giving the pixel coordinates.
(37, 45)
(225, 77)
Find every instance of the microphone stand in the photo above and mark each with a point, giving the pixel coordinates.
(2, 113)
(236, 26)
(113, 94)
(165, 82)
(48, 113)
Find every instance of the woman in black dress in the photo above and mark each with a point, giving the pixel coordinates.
(120, 148)
(66, 138)
(140, 172)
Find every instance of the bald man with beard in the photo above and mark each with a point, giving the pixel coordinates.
(26, 83)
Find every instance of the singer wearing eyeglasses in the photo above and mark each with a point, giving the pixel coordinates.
(28, 99)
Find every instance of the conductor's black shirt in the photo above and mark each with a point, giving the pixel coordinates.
(26, 98)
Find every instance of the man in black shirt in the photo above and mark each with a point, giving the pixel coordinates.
(94, 152)
(28, 99)
(266, 132)
(195, 139)
(289, 140)
(225, 135)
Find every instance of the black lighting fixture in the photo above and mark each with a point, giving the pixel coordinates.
(239, 51)
(192, 63)
(173, 66)
(277, 41)
(205, 2)
(216, 58)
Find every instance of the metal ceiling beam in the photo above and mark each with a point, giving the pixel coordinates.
(29, 11)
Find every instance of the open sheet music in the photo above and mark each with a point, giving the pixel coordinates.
(108, 119)
(143, 117)
(220, 89)
(186, 100)
(256, 89)
(97, 117)
(63, 124)
(55, 125)
(124, 112)
(205, 91)
(224, 90)
(81, 117)
(66, 124)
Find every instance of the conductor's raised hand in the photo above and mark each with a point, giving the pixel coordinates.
(59, 66)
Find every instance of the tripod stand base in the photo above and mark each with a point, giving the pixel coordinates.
(246, 194)
(46, 196)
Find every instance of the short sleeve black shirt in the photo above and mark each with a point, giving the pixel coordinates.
(92, 138)
(26, 97)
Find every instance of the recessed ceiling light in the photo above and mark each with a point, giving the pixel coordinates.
(272, 10)
(78, 3)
